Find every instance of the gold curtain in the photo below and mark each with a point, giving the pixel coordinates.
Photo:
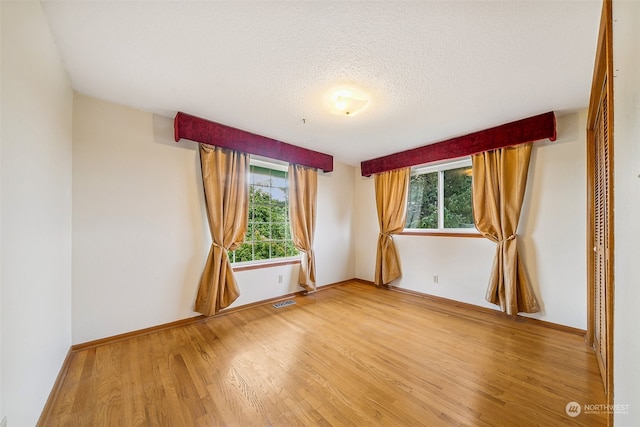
(226, 192)
(391, 201)
(499, 182)
(303, 189)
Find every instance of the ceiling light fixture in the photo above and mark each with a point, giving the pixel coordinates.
(347, 102)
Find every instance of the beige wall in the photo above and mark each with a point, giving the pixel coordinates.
(140, 236)
(626, 149)
(552, 229)
(35, 283)
(138, 229)
(553, 224)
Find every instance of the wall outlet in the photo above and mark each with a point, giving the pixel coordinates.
(435, 279)
(279, 278)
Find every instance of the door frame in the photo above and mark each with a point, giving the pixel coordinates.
(603, 71)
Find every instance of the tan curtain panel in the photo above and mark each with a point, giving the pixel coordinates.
(303, 189)
(226, 192)
(391, 201)
(499, 182)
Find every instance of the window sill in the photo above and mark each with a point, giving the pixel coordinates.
(440, 233)
(265, 264)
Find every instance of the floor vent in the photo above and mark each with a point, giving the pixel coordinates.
(283, 303)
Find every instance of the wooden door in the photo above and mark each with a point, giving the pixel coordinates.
(600, 279)
(601, 224)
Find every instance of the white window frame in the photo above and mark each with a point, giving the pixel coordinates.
(267, 163)
(440, 168)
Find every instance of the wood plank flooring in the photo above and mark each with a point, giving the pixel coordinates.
(348, 355)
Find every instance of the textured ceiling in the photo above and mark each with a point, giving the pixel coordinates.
(433, 70)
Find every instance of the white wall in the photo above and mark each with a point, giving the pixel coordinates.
(366, 226)
(140, 234)
(553, 224)
(552, 238)
(626, 148)
(36, 212)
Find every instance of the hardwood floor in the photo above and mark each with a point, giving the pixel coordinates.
(348, 355)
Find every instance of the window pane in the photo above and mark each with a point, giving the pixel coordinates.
(279, 179)
(278, 230)
(259, 196)
(441, 198)
(291, 250)
(279, 213)
(422, 209)
(278, 249)
(457, 198)
(250, 236)
(268, 234)
(261, 251)
(260, 176)
(279, 194)
(243, 253)
(262, 231)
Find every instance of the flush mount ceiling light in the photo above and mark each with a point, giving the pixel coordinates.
(346, 101)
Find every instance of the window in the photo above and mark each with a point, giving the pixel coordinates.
(440, 197)
(268, 234)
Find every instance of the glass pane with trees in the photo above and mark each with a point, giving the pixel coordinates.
(422, 209)
(268, 234)
(440, 198)
(458, 206)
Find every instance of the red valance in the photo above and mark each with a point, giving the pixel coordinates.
(514, 133)
(211, 133)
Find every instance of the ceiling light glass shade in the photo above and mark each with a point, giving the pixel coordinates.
(346, 102)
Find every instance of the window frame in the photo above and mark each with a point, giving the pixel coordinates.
(440, 168)
(272, 164)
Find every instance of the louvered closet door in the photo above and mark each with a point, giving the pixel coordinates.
(601, 199)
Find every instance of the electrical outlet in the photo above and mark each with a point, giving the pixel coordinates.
(435, 279)
(279, 278)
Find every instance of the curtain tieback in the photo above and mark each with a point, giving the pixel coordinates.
(219, 246)
(513, 236)
(386, 235)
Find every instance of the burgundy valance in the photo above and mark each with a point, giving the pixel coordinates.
(207, 132)
(514, 133)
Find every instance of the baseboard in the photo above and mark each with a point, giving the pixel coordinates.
(364, 282)
(137, 333)
(55, 390)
